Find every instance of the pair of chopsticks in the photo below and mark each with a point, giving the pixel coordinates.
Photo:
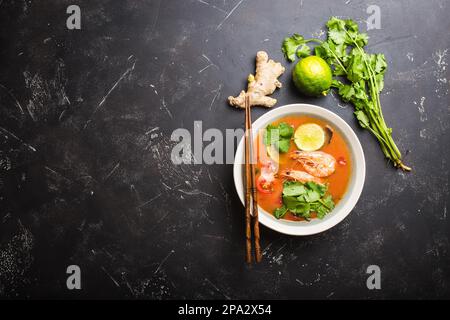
(251, 202)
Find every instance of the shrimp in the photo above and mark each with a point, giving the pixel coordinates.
(301, 176)
(316, 163)
(268, 171)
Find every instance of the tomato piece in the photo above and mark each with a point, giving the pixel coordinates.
(263, 186)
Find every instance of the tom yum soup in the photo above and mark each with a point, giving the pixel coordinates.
(303, 168)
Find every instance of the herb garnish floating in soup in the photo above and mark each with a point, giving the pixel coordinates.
(303, 199)
(303, 168)
(279, 136)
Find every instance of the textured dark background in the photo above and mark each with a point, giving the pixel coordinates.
(90, 183)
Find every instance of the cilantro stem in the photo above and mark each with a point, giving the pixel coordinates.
(374, 94)
(335, 56)
(338, 61)
(323, 203)
(383, 143)
(314, 40)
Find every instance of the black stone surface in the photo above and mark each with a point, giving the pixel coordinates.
(84, 180)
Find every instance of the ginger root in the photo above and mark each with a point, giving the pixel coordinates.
(262, 84)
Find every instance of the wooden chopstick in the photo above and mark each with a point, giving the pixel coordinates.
(251, 201)
(248, 179)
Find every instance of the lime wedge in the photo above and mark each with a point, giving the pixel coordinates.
(273, 153)
(309, 137)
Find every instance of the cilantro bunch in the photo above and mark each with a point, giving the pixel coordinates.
(358, 77)
(302, 199)
(279, 136)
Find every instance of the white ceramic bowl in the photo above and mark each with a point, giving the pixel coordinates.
(354, 189)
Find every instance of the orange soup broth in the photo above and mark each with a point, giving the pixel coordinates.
(337, 182)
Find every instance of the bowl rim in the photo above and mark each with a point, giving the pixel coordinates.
(354, 189)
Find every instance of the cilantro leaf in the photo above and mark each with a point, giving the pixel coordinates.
(356, 69)
(290, 202)
(302, 209)
(362, 118)
(268, 135)
(347, 92)
(319, 188)
(379, 79)
(362, 39)
(378, 63)
(283, 145)
(336, 24)
(286, 130)
(328, 202)
(290, 46)
(293, 188)
(303, 51)
(321, 52)
(351, 25)
(321, 211)
(312, 196)
(302, 199)
(280, 212)
(279, 136)
(338, 36)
